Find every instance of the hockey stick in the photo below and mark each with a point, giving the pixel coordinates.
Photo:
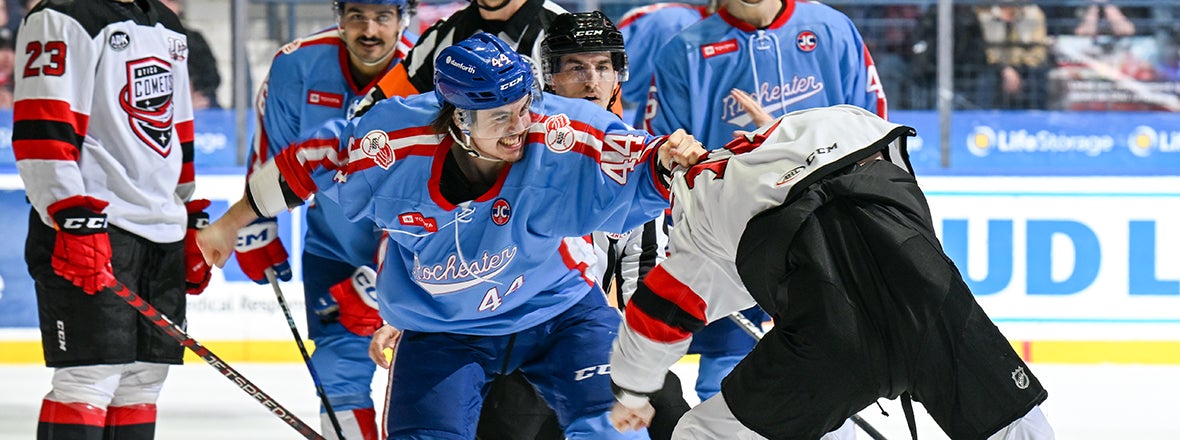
(155, 317)
(389, 387)
(315, 378)
(756, 333)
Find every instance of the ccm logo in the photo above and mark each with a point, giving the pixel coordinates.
(85, 222)
(512, 83)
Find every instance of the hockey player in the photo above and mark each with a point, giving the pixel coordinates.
(520, 23)
(103, 139)
(480, 277)
(818, 219)
(312, 80)
(583, 57)
(788, 55)
(645, 30)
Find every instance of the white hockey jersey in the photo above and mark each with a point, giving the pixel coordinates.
(711, 204)
(103, 108)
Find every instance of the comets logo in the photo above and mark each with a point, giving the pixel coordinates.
(147, 100)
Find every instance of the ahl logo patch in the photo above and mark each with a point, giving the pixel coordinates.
(807, 41)
(1020, 378)
(375, 145)
(501, 212)
(147, 100)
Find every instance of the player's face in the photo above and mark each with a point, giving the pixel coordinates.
(500, 132)
(590, 76)
(370, 32)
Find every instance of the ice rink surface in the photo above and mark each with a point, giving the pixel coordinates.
(1086, 402)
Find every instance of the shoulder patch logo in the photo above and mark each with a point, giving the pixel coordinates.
(719, 48)
(1020, 378)
(375, 145)
(177, 49)
(119, 40)
(290, 47)
(559, 135)
(806, 41)
(501, 212)
(147, 100)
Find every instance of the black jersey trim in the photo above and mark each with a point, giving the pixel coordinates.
(665, 311)
(39, 130)
(96, 15)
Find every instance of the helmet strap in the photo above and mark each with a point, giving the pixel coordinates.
(464, 141)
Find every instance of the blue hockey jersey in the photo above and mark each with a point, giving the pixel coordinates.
(810, 56)
(505, 261)
(645, 30)
(308, 84)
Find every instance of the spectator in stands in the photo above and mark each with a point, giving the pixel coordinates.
(1118, 23)
(969, 58)
(888, 33)
(202, 65)
(1018, 57)
(645, 30)
(7, 62)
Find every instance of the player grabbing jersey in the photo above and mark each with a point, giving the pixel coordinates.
(480, 276)
(818, 219)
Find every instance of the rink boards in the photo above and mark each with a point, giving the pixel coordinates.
(1065, 225)
(1073, 269)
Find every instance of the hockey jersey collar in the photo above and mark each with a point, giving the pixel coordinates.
(436, 173)
(783, 17)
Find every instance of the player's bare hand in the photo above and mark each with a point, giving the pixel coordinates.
(758, 115)
(384, 338)
(629, 419)
(680, 149)
(217, 243)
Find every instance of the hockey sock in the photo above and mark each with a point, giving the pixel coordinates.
(132, 422)
(360, 423)
(73, 420)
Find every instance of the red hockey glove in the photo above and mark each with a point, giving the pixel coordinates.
(196, 270)
(259, 248)
(357, 299)
(82, 249)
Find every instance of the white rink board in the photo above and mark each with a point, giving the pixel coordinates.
(1102, 211)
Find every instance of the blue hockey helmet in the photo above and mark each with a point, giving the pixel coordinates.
(481, 72)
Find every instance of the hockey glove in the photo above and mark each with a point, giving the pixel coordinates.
(82, 249)
(196, 270)
(259, 248)
(356, 299)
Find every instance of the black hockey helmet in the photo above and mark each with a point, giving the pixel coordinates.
(581, 32)
(405, 8)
